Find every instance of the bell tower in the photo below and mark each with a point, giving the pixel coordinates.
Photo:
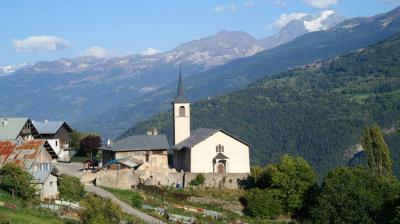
(181, 113)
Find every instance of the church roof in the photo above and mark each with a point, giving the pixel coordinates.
(200, 135)
(180, 96)
(139, 143)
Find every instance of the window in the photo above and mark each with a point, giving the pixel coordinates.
(219, 148)
(181, 111)
(147, 157)
(56, 143)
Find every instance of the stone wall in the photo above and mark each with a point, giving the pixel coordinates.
(122, 179)
(217, 180)
(126, 178)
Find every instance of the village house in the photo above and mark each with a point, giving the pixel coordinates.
(17, 129)
(35, 156)
(205, 150)
(58, 134)
(147, 155)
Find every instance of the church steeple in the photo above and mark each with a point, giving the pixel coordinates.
(181, 113)
(180, 96)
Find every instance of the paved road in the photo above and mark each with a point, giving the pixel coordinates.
(72, 169)
(124, 206)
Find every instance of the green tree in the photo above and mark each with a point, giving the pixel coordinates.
(70, 188)
(261, 204)
(99, 211)
(291, 178)
(17, 181)
(351, 195)
(377, 151)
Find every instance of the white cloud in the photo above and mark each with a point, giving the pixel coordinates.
(225, 7)
(40, 43)
(150, 51)
(287, 18)
(97, 52)
(248, 3)
(321, 4)
(277, 2)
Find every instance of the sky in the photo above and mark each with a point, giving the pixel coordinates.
(48, 30)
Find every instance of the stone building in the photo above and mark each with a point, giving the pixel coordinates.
(146, 155)
(205, 150)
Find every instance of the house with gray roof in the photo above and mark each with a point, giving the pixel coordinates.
(58, 134)
(147, 154)
(17, 128)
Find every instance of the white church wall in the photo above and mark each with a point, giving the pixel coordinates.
(203, 153)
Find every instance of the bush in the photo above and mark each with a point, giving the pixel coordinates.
(261, 204)
(136, 200)
(198, 180)
(70, 188)
(99, 211)
(352, 195)
(17, 181)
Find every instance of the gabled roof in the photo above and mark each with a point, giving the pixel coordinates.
(50, 127)
(200, 135)
(23, 154)
(139, 143)
(10, 128)
(92, 160)
(221, 156)
(130, 162)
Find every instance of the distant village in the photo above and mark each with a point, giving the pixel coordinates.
(44, 150)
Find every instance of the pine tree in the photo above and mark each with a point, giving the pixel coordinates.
(378, 156)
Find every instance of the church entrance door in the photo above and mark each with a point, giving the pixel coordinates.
(221, 168)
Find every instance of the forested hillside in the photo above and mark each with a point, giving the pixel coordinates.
(316, 111)
(344, 38)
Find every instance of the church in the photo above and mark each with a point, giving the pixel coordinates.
(204, 150)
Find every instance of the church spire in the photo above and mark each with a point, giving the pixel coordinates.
(180, 96)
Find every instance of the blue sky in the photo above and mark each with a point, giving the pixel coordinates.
(47, 30)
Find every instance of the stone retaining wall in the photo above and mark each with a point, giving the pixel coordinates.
(125, 179)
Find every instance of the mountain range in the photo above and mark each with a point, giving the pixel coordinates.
(76, 89)
(348, 36)
(317, 111)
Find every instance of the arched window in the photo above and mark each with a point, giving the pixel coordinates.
(181, 111)
(219, 148)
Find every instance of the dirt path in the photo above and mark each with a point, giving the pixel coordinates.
(124, 206)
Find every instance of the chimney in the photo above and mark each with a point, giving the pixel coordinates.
(152, 131)
(109, 143)
(5, 122)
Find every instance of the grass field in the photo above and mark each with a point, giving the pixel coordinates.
(24, 214)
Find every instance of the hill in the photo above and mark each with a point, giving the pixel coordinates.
(346, 37)
(316, 111)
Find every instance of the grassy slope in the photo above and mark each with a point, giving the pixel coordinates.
(25, 215)
(317, 112)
